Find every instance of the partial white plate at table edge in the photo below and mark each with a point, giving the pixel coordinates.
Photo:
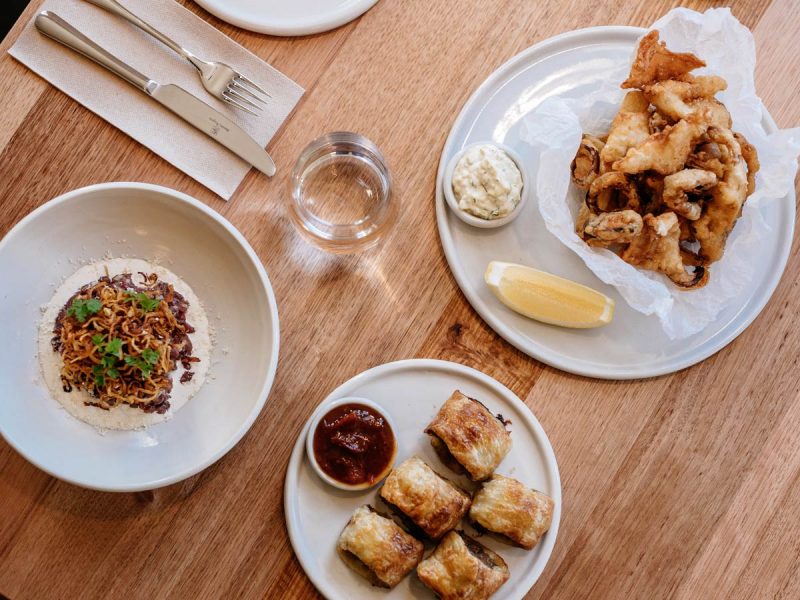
(266, 17)
(497, 316)
(457, 376)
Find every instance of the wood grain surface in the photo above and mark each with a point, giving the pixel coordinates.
(685, 486)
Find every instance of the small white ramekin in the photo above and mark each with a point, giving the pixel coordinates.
(315, 420)
(450, 197)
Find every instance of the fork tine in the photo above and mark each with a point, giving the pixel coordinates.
(242, 90)
(230, 100)
(253, 85)
(241, 98)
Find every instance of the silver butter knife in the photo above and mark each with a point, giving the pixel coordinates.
(191, 109)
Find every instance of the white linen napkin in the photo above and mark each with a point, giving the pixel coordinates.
(140, 116)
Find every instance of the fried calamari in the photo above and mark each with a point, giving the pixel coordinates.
(655, 63)
(666, 185)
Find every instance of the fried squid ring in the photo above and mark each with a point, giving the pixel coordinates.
(586, 164)
(727, 198)
(657, 248)
(618, 227)
(612, 191)
(708, 157)
(750, 155)
(679, 186)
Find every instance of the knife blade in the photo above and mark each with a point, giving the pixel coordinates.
(174, 98)
(213, 123)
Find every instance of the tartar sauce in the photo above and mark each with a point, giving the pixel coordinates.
(487, 182)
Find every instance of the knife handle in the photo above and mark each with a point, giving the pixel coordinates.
(116, 8)
(53, 26)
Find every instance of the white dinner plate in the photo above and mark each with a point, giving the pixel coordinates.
(412, 391)
(287, 17)
(633, 345)
(164, 226)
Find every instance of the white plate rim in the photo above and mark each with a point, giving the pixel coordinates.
(346, 389)
(287, 27)
(273, 307)
(530, 347)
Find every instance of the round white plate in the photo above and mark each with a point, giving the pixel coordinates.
(287, 17)
(205, 250)
(633, 345)
(412, 392)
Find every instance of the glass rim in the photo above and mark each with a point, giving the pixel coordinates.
(343, 235)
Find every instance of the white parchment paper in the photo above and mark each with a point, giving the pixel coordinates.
(555, 129)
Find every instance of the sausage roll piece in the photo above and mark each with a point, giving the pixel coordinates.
(468, 438)
(461, 568)
(377, 548)
(506, 507)
(430, 501)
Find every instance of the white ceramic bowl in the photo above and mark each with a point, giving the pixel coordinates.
(205, 250)
(469, 219)
(315, 419)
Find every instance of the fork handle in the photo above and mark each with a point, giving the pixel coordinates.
(116, 8)
(53, 26)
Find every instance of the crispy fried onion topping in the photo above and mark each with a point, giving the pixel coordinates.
(121, 340)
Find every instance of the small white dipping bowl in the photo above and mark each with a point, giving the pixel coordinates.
(323, 410)
(471, 219)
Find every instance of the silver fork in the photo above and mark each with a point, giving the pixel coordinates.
(219, 79)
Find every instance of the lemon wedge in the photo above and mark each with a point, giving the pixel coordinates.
(548, 298)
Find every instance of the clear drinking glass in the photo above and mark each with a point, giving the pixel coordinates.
(341, 193)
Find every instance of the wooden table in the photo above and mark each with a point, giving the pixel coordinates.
(685, 486)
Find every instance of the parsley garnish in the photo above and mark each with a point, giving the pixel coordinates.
(150, 355)
(99, 376)
(81, 309)
(146, 303)
(112, 351)
(144, 367)
(114, 347)
(145, 362)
